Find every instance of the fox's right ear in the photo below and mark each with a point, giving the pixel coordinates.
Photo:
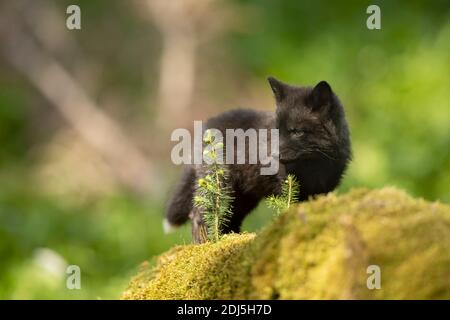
(278, 88)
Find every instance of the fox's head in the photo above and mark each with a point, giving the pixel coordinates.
(311, 122)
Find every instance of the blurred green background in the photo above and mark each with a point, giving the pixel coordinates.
(86, 115)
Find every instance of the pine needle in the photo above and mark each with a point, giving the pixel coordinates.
(213, 194)
(289, 195)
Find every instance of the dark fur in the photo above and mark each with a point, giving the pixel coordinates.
(314, 146)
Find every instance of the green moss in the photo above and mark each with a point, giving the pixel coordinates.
(196, 272)
(317, 250)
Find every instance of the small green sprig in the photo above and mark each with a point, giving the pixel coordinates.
(213, 196)
(288, 196)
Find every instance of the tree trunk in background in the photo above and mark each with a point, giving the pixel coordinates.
(176, 23)
(131, 167)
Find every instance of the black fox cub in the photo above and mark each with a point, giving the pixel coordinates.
(314, 145)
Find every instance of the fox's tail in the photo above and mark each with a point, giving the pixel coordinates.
(180, 205)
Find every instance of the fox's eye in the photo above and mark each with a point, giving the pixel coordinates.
(295, 131)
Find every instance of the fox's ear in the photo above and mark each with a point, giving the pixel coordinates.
(321, 94)
(278, 88)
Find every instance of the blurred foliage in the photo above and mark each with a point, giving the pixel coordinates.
(107, 239)
(393, 82)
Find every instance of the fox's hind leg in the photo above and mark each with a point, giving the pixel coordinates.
(199, 229)
(180, 205)
(241, 208)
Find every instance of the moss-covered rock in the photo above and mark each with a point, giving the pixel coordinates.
(317, 250)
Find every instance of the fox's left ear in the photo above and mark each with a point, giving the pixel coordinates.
(321, 95)
(279, 88)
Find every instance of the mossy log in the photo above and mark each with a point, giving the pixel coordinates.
(319, 249)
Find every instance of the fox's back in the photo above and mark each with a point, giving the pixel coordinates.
(242, 119)
(246, 178)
